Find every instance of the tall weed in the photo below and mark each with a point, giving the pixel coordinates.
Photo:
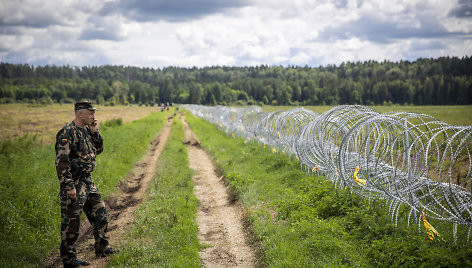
(19, 144)
(111, 123)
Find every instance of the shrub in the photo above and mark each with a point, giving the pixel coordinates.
(67, 100)
(111, 123)
(7, 100)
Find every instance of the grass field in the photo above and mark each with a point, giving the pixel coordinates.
(454, 115)
(301, 220)
(29, 202)
(45, 120)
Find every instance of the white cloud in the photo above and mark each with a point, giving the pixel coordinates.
(277, 32)
(15, 43)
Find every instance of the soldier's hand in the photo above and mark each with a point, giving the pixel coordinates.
(72, 193)
(94, 126)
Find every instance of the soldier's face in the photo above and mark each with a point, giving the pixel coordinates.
(87, 116)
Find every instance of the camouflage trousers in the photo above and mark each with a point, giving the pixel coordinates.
(89, 200)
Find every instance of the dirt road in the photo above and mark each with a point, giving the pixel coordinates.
(219, 220)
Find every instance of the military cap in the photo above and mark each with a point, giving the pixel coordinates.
(84, 105)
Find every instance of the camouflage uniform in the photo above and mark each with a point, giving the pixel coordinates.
(76, 149)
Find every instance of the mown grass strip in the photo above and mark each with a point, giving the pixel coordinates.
(29, 203)
(164, 233)
(301, 220)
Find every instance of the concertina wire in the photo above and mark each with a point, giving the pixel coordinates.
(403, 158)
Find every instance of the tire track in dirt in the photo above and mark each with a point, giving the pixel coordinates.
(219, 220)
(121, 206)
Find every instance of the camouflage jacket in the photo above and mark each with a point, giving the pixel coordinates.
(75, 147)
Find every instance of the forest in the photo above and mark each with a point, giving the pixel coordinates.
(425, 81)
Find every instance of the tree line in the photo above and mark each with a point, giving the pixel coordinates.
(426, 81)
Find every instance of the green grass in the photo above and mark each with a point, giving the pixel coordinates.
(29, 203)
(164, 233)
(301, 220)
(454, 114)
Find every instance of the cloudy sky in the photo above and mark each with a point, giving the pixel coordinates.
(159, 33)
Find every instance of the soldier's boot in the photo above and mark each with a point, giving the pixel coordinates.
(106, 252)
(76, 263)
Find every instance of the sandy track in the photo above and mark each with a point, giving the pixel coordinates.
(121, 206)
(219, 220)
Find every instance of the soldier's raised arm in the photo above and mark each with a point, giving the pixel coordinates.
(97, 140)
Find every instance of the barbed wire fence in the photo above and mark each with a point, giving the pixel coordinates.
(407, 159)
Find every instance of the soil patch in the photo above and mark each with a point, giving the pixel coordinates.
(121, 206)
(219, 220)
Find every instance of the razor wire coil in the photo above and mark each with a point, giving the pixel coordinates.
(404, 158)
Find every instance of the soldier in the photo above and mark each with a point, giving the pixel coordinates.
(77, 145)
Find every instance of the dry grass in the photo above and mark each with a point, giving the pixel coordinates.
(20, 119)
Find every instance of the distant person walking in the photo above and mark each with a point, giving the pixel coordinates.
(77, 145)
